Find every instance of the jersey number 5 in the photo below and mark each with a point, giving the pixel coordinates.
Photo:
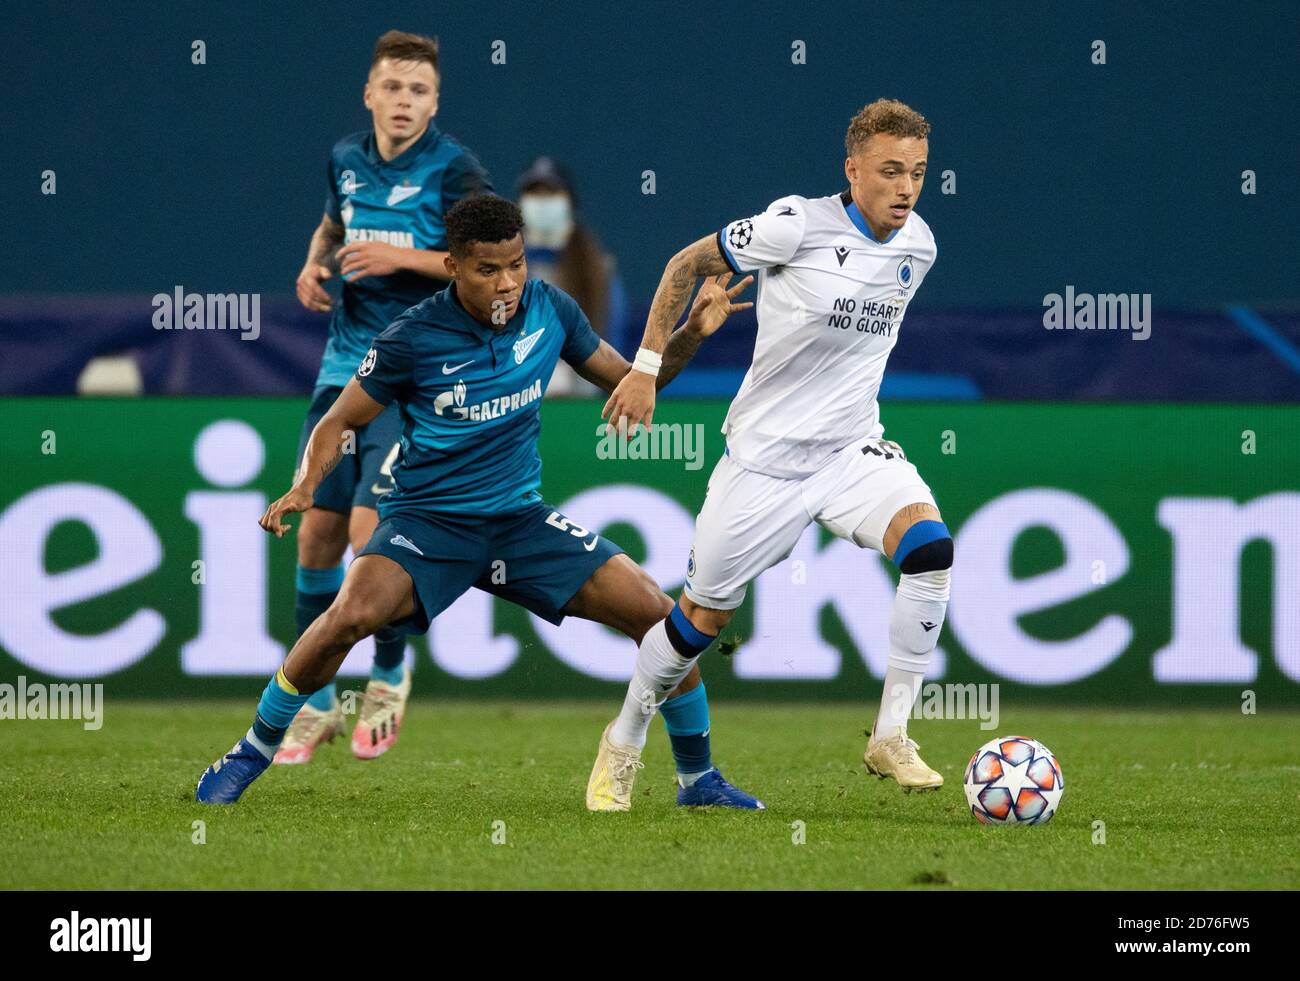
(557, 520)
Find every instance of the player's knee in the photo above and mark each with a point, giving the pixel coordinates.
(659, 605)
(705, 619)
(653, 605)
(354, 619)
(925, 547)
(313, 553)
(318, 547)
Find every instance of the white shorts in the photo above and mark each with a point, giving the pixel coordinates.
(751, 521)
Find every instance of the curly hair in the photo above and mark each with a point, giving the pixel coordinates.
(483, 218)
(884, 116)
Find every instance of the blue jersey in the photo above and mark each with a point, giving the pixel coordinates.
(470, 398)
(402, 202)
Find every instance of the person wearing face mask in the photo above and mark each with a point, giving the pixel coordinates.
(563, 252)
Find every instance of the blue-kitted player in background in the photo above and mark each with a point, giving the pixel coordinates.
(388, 192)
(468, 368)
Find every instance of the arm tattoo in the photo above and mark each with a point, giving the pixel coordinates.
(681, 348)
(700, 259)
(325, 241)
(313, 450)
(329, 465)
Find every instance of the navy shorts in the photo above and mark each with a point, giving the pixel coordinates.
(365, 475)
(536, 558)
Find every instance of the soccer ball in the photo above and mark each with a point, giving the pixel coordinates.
(1014, 780)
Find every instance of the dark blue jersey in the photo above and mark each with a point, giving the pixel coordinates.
(402, 202)
(470, 397)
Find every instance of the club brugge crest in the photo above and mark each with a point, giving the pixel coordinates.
(459, 391)
(905, 273)
(690, 564)
(367, 363)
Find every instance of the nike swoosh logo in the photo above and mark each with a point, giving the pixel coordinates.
(928, 626)
(399, 194)
(379, 491)
(452, 369)
(589, 546)
(787, 211)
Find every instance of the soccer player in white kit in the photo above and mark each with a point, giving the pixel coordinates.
(804, 439)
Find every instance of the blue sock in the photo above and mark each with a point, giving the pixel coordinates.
(687, 719)
(279, 704)
(324, 699)
(390, 656)
(317, 589)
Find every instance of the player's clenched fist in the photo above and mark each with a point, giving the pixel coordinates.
(294, 502)
(310, 292)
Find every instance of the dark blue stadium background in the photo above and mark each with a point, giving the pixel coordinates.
(1117, 177)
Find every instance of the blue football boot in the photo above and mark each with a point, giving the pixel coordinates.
(711, 790)
(227, 779)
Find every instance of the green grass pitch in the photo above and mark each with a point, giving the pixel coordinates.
(1190, 800)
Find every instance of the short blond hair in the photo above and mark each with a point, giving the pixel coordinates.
(884, 116)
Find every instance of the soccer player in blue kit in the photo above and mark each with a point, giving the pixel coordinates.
(468, 367)
(389, 189)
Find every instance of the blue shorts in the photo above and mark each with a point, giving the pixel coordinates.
(535, 557)
(364, 476)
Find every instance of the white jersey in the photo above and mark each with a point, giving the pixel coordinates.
(830, 304)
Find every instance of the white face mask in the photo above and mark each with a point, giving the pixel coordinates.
(548, 220)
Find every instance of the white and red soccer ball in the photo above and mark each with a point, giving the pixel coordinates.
(1013, 780)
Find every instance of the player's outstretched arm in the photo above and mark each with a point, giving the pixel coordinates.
(713, 305)
(634, 398)
(350, 411)
(320, 257)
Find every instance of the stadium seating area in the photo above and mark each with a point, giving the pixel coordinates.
(1233, 355)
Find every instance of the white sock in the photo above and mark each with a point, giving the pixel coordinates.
(921, 599)
(689, 779)
(265, 749)
(659, 669)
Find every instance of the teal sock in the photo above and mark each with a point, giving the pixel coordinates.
(687, 719)
(280, 702)
(390, 656)
(317, 589)
(389, 676)
(324, 699)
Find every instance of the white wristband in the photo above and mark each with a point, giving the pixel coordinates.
(648, 361)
